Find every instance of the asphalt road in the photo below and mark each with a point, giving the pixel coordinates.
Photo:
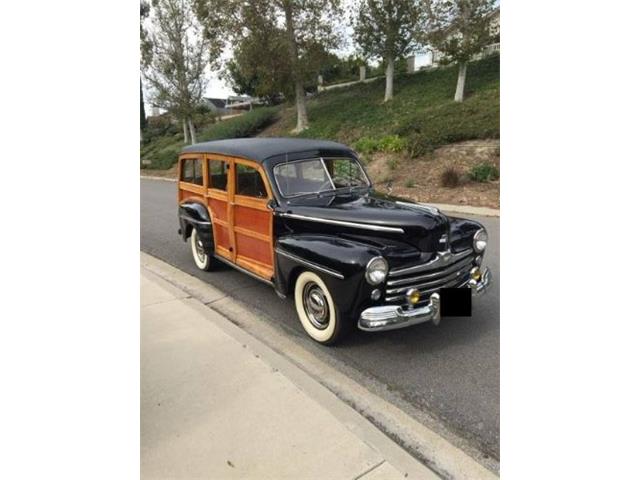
(451, 371)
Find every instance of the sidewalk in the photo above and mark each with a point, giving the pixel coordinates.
(216, 403)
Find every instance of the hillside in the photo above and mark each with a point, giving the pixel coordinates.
(421, 145)
(411, 142)
(422, 111)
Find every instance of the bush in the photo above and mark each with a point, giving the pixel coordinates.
(450, 178)
(163, 151)
(484, 172)
(388, 143)
(245, 125)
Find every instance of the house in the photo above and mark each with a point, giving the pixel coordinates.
(494, 28)
(217, 105)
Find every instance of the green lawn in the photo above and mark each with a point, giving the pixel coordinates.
(422, 113)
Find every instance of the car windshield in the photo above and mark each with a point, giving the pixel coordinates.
(319, 175)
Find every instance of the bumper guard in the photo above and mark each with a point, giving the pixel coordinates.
(391, 317)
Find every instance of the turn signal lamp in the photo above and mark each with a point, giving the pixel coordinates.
(476, 274)
(413, 296)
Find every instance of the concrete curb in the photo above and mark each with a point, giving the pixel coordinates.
(463, 209)
(383, 419)
(164, 179)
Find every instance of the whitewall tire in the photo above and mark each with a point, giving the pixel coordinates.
(201, 258)
(316, 310)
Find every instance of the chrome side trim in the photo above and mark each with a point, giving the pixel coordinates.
(421, 206)
(309, 264)
(442, 259)
(364, 226)
(193, 220)
(243, 270)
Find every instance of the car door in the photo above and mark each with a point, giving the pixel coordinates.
(252, 221)
(218, 201)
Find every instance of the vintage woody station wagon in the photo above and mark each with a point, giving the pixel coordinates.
(302, 216)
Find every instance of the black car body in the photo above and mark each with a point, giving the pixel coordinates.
(346, 234)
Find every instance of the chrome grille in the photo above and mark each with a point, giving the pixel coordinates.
(446, 270)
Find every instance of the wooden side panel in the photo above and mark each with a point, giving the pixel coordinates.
(222, 236)
(253, 219)
(218, 208)
(253, 248)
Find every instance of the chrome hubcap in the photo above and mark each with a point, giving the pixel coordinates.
(316, 305)
(200, 249)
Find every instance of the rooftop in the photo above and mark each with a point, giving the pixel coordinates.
(260, 149)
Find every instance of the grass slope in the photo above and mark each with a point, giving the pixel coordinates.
(422, 114)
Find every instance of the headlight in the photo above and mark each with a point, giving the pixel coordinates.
(376, 271)
(480, 240)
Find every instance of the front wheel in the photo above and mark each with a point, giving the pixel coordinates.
(202, 259)
(317, 312)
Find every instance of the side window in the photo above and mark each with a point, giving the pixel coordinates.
(249, 182)
(197, 174)
(217, 174)
(186, 175)
(191, 171)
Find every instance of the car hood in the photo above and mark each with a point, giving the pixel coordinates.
(423, 227)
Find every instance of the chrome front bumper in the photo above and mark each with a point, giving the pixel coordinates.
(391, 317)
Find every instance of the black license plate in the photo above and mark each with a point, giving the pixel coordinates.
(455, 302)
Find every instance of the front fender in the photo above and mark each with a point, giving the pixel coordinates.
(339, 262)
(192, 215)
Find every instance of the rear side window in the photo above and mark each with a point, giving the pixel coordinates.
(191, 171)
(218, 174)
(249, 182)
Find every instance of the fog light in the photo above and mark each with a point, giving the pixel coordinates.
(413, 296)
(375, 295)
(476, 274)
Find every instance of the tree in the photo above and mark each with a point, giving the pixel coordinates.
(258, 67)
(387, 29)
(459, 29)
(144, 13)
(305, 23)
(177, 61)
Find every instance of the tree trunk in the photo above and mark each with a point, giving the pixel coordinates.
(303, 121)
(143, 114)
(462, 76)
(185, 131)
(192, 130)
(388, 91)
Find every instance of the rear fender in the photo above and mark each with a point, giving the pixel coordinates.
(192, 215)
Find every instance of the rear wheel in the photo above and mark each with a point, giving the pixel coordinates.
(317, 312)
(202, 259)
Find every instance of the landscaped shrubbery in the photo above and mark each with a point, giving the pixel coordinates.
(484, 172)
(246, 125)
(387, 143)
(162, 151)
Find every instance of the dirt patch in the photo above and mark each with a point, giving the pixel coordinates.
(419, 179)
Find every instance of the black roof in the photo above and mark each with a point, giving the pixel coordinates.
(217, 102)
(260, 149)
